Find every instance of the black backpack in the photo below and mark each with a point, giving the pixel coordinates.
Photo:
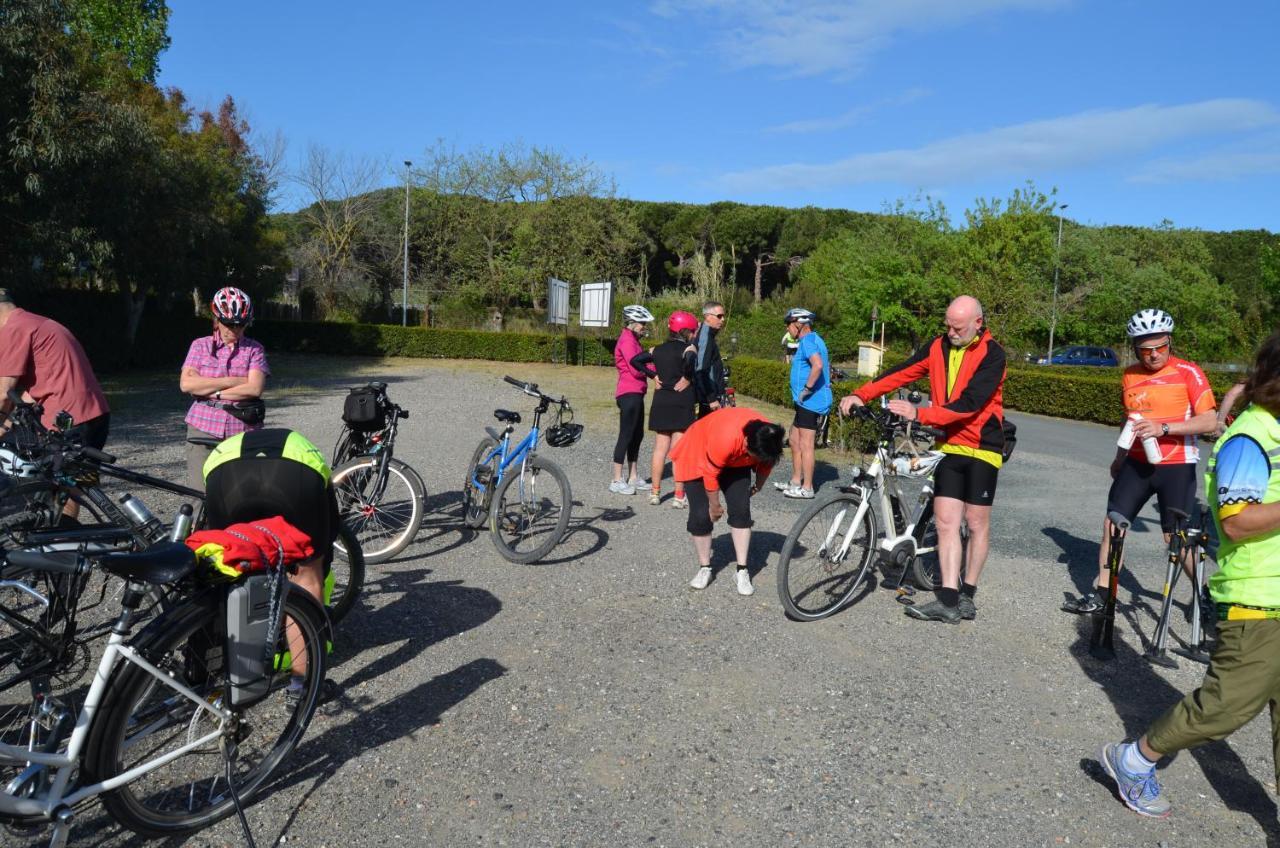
(365, 409)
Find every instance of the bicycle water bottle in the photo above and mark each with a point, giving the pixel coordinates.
(1126, 435)
(181, 524)
(140, 515)
(1152, 448)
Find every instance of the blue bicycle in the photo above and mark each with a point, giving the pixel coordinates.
(524, 497)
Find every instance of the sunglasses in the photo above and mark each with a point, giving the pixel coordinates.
(718, 316)
(235, 325)
(1152, 349)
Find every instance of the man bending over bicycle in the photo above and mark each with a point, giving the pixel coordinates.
(263, 473)
(1169, 403)
(966, 371)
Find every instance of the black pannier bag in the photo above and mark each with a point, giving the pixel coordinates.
(364, 410)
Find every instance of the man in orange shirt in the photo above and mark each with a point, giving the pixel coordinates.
(1175, 405)
(720, 452)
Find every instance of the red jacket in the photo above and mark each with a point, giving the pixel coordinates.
(714, 443)
(973, 415)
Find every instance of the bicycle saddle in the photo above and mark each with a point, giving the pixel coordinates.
(507, 415)
(166, 562)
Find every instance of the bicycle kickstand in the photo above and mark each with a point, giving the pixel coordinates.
(62, 821)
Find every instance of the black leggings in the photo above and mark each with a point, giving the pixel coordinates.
(735, 485)
(630, 427)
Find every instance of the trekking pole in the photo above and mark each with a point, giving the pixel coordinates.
(1102, 645)
(1156, 652)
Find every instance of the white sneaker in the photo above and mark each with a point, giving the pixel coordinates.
(798, 492)
(744, 583)
(680, 503)
(639, 484)
(703, 578)
(655, 498)
(621, 487)
(782, 487)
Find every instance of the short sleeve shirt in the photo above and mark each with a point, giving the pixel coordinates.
(819, 400)
(211, 358)
(1176, 392)
(1243, 472)
(51, 366)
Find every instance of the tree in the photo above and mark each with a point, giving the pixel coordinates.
(126, 34)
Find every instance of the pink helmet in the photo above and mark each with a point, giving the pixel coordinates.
(681, 321)
(232, 306)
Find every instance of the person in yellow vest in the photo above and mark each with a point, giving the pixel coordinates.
(1243, 485)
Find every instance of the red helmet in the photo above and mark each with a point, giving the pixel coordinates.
(232, 306)
(681, 321)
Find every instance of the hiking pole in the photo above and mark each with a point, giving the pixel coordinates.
(1156, 652)
(1104, 623)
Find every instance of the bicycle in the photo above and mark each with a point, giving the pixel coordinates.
(183, 722)
(380, 497)
(520, 507)
(57, 469)
(834, 543)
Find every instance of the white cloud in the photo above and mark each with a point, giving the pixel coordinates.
(808, 37)
(1020, 149)
(1218, 166)
(848, 118)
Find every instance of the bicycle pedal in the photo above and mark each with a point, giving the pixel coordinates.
(903, 595)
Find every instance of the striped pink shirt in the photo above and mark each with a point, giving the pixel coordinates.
(211, 358)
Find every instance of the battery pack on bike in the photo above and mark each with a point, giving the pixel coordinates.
(253, 623)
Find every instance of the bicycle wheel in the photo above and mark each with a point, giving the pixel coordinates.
(475, 503)
(925, 571)
(385, 517)
(347, 573)
(825, 559)
(531, 510)
(142, 719)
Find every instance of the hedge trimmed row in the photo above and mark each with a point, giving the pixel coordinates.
(1075, 395)
(423, 342)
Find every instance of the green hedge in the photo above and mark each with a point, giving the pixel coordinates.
(390, 340)
(1080, 394)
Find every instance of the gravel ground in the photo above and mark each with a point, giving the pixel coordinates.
(594, 699)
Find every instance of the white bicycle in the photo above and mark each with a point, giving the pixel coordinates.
(182, 724)
(834, 543)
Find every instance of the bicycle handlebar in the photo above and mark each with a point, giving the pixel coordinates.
(531, 389)
(97, 455)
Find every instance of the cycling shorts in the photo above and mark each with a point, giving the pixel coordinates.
(251, 488)
(1173, 484)
(735, 485)
(966, 478)
(807, 419)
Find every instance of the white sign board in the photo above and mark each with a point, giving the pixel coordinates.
(557, 301)
(595, 304)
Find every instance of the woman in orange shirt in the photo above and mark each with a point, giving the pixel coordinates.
(720, 452)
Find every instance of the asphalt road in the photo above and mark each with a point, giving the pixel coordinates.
(594, 699)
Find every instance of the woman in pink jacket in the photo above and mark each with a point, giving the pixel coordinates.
(632, 383)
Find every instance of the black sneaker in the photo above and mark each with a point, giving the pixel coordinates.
(934, 611)
(1086, 605)
(968, 610)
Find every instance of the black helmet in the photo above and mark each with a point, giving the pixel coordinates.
(563, 435)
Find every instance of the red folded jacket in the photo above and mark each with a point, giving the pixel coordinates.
(253, 545)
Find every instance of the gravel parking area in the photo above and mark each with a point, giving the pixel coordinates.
(594, 699)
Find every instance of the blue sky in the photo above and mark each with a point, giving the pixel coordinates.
(1136, 110)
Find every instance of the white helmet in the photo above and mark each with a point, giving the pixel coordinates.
(15, 466)
(637, 314)
(799, 316)
(1149, 322)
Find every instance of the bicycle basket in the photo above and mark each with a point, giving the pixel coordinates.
(917, 465)
(365, 409)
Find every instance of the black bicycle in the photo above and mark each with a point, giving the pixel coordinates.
(381, 498)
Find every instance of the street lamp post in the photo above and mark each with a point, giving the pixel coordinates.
(1053, 315)
(404, 295)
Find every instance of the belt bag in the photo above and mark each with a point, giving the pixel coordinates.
(249, 411)
(1010, 439)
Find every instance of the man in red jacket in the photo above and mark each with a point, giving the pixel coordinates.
(966, 370)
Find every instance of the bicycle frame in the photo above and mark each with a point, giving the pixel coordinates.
(873, 484)
(507, 455)
(56, 797)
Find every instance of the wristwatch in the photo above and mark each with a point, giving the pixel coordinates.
(1164, 429)
(218, 396)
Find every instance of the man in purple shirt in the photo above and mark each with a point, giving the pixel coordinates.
(221, 368)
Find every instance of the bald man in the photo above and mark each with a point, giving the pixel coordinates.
(966, 371)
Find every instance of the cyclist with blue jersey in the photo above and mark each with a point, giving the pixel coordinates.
(811, 393)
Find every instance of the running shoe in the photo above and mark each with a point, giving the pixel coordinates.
(655, 498)
(783, 486)
(1086, 605)
(702, 579)
(934, 611)
(680, 503)
(798, 492)
(744, 582)
(621, 487)
(1140, 792)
